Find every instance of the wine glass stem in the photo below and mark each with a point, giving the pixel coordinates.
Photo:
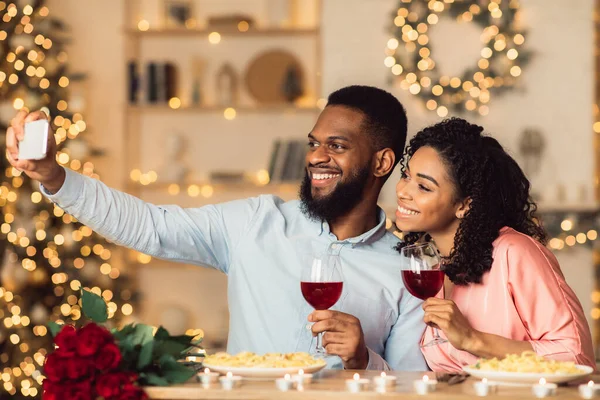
(436, 334)
(320, 348)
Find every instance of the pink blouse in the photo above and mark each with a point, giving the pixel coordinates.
(523, 297)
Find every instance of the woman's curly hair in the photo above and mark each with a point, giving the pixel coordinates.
(483, 172)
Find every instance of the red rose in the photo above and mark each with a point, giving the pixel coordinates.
(78, 367)
(51, 390)
(91, 338)
(135, 393)
(77, 391)
(108, 357)
(66, 340)
(55, 367)
(109, 385)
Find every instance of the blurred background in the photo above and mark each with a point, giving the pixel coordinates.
(201, 101)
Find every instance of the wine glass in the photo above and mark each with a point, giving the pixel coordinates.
(423, 277)
(321, 285)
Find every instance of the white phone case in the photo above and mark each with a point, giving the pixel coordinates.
(35, 143)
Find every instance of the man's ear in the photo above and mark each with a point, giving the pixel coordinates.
(463, 207)
(384, 162)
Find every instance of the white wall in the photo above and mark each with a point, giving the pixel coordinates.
(556, 95)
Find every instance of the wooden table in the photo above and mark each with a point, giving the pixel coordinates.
(330, 384)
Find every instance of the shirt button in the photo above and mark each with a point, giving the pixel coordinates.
(335, 246)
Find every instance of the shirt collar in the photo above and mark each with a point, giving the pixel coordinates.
(370, 236)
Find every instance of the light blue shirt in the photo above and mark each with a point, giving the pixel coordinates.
(255, 242)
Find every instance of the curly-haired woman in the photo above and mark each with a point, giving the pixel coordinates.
(504, 292)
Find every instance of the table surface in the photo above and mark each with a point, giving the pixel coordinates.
(330, 384)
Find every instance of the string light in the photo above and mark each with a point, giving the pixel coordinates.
(51, 247)
(411, 45)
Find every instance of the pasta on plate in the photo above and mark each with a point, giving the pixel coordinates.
(268, 360)
(527, 362)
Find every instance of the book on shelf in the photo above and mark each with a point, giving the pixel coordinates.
(287, 160)
(155, 83)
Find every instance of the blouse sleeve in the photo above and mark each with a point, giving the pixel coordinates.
(548, 307)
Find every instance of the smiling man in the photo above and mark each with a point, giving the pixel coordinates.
(353, 148)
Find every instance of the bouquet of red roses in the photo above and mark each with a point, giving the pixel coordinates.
(85, 365)
(92, 362)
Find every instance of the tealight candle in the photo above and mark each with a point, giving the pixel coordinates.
(301, 378)
(207, 377)
(230, 381)
(356, 384)
(383, 382)
(284, 384)
(425, 385)
(483, 387)
(589, 390)
(543, 389)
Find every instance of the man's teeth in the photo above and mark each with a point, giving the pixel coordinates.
(407, 211)
(324, 176)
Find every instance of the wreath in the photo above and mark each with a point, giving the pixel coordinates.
(410, 58)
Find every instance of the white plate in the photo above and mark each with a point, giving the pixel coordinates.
(264, 373)
(527, 377)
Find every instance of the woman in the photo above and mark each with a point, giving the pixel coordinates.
(504, 291)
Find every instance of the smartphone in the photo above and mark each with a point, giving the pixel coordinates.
(35, 143)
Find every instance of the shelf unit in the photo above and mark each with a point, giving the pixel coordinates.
(213, 108)
(242, 144)
(224, 32)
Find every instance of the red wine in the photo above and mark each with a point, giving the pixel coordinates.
(423, 284)
(321, 295)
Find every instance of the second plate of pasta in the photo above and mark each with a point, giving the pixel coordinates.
(527, 368)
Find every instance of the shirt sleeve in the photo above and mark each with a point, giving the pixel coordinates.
(548, 307)
(402, 351)
(202, 236)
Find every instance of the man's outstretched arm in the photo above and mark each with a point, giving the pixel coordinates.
(202, 236)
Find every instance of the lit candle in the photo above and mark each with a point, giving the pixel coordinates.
(425, 385)
(284, 384)
(230, 381)
(383, 382)
(207, 377)
(356, 384)
(483, 387)
(589, 390)
(301, 378)
(544, 389)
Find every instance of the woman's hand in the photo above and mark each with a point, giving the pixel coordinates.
(446, 316)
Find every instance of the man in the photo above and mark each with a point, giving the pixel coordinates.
(353, 148)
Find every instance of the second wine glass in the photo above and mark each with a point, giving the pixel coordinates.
(423, 276)
(321, 285)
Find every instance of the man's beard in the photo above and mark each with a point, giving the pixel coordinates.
(345, 196)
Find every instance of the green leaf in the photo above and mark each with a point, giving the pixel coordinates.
(161, 333)
(145, 357)
(123, 332)
(54, 328)
(168, 347)
(152, 379)
(93, 306)
(183, 339)
(174, 371)
(142, 334)
(180, 375)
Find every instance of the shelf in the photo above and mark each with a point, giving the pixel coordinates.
(218, 187)
(275, 32)
(212, 109)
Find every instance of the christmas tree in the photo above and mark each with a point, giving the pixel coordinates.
(45, 255)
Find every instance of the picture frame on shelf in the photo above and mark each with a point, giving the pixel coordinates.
(179, 14)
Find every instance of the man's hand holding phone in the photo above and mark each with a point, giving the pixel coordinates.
(31, 148)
